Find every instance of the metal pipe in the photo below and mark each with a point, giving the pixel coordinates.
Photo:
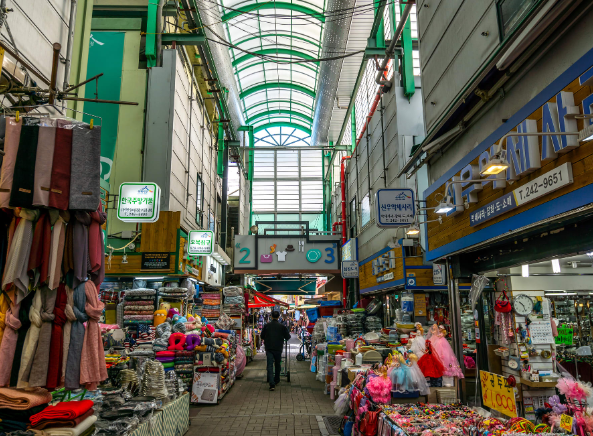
(54, 72)
(159, 33)
(70, 88)
(96, 100)
(69, 45)
(343, 189)
(391, 49)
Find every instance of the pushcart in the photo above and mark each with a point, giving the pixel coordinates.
(286, 362)
(305, 348)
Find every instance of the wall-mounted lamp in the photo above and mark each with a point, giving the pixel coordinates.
(497, 163)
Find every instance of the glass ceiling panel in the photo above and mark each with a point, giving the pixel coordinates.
(265, 37)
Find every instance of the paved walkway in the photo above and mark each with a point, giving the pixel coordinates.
(250, 409)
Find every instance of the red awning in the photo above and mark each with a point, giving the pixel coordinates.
(261, 300)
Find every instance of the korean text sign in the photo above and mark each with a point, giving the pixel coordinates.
(497, 394)
(200, 242)
(395, 207)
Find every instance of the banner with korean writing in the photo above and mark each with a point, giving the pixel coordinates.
(565, 336)
(395, 207)
(497, 394)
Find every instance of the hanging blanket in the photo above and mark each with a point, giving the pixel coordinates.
(69, 311)
(92, 362)
(58, 240)
(40, 250)
(21, 193)
(96, 246)
(85, 168)
(59, 192)
(31, 339)
(11, 147)
(43, 163)
(8, 345)
(72, 379)
(54, 372)
(21, 337)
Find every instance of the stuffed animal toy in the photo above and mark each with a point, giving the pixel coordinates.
(176, 341)
(172, 312)
(165, 306)
(160, 317)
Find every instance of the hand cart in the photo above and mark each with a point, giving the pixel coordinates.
(305, 349)
(286, 362)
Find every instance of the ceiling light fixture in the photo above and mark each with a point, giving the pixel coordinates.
(525, 270)
(497, 163)
(556, 266)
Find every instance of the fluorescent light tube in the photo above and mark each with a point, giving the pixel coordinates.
(525, 270)
(556, 266)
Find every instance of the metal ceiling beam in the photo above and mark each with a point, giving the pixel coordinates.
(273, 51)
(247, 9)
(284, 35)
(280, 112)
(290, 102)
(379, 11)
(283, 124)
(272, 85)
(306, 148)
(313, 68)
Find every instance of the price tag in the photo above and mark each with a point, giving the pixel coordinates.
(566, 422)
(497, 394)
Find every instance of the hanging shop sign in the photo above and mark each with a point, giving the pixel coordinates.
(565, 336)
(139, 202)
(419, 304)
(497, 394)
(395, 207)
(545, 184)
(156, 262)
(530, 169)
(200, 242)
(350, 249)
(290, 253)
(350, 269)
(438, 274)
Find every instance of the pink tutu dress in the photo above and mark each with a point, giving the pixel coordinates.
(443, 350)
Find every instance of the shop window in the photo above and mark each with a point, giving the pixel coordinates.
(211, 220)
(353, 217)
(199, 200)
(511, 13)
(365, 210)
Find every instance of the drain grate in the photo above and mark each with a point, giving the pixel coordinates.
(332, 424)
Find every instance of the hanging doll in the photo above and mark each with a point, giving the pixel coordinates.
(430, 364)
(418, 346)
(401, 377)
(441, 346)
(417, 376)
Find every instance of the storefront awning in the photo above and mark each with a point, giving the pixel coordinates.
(261, 300)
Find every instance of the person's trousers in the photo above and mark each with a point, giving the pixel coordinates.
(274, 359)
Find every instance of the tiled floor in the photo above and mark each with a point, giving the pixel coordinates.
(249, 408)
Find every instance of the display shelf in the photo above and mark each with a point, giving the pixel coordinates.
(538, 384)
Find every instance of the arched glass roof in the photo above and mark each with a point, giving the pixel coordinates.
(275, 94)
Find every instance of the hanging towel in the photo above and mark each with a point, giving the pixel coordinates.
(68, 257)
(31, 339)
(54, 372)
(21, 193)
(80, 246)
(21, 336)
(4, 306)
(85, 172)
(43, 163)
(58, 238)
(8, 345)
(92, 362)
(72, 379)
(96, 246)
(69, 311)
(36, 372)
(59, 192)
(40, 250)
(18, 255)
(11, 146)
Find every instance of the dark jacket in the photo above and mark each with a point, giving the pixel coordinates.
(273, 335)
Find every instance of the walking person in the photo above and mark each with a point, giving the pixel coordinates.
(274, 334)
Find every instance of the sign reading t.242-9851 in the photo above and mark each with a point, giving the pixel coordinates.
(545, 184)
(200, 242)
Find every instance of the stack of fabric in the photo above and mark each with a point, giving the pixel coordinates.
(17, 407)
(210, 304)
(174, 292)
(184, 367)
(167, 358)
(69, 418)
(139, 306)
